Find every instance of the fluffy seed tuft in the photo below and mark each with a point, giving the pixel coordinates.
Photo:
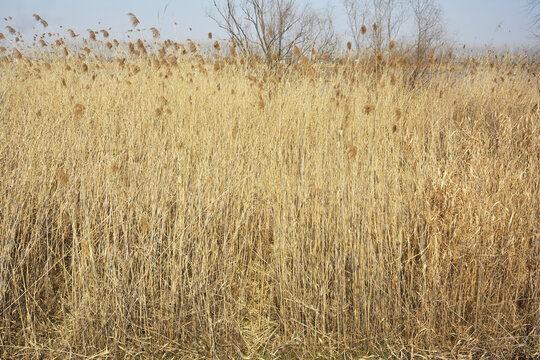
(134, 20)
(368, 109)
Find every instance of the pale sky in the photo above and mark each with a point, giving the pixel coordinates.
(471, 22)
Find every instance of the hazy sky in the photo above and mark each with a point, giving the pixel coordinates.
(474, 22)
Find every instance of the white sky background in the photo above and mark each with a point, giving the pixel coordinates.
(495, 23)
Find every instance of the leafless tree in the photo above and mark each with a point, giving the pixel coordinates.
(388, 15)
(322, 38)
(534, 8)
(273, 27)
(357, 18)
(428, 27)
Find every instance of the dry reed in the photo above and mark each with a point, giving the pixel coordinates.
(150, 207)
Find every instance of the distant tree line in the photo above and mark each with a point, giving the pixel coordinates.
(280, 29)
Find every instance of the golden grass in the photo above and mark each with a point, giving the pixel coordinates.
(186, 207)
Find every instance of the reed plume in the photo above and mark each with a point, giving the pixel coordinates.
(155, 32)
(78, 110)
(62, 176)
(134, 20)
(91, 34)
(368, 109)
(17, 54)
(363, 29)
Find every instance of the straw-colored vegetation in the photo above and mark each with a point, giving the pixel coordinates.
(158, 202)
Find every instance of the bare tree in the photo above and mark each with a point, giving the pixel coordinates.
(272, 27)
(429, 28)
(383, 17)
(357, 17)
(390, 16)
(534, 8)
(323, 38)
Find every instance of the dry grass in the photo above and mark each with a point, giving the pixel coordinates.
(178, 206)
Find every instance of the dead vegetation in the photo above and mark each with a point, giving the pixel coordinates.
(158, 201)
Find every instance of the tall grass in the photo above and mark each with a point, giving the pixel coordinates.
(172, 205)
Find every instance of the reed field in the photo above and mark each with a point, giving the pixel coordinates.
(160, 200)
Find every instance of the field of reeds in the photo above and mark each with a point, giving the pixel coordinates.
(160, 201)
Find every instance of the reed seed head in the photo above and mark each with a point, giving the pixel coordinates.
(61, 176)
(192, 46)
(363, 29)
(17, 54)
(78, 110)
(163, 101)
(92, 34)
(368, 109)
(351, 149)
(134, 20)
